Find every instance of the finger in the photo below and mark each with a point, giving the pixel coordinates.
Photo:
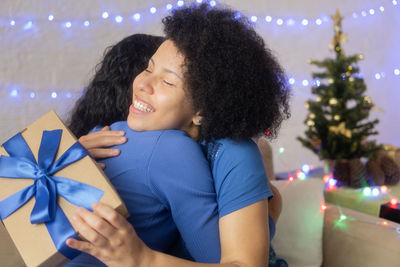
(84, 246)
(101, 141)
(106, 128)
(97, 226)
(112, 216)
(101, 153)
(87, 231)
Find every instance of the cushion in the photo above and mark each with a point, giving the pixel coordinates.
(298, 237)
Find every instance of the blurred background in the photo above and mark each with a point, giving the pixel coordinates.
(48, 51)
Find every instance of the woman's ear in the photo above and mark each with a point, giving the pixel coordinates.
(197, 119)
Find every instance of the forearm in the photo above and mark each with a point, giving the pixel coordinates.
(155, 258)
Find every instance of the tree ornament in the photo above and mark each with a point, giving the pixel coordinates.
(340, 129)
(333, 101)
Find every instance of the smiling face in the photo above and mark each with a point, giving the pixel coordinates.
(159, 100)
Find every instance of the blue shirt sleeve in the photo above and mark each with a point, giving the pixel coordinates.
(239, 174)
(180, 176)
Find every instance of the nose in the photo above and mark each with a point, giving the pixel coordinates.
(143, 82)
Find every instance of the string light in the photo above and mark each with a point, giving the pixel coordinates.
(86, 23)
(68, 24)
(384, 189)
(136, 16)
(12, 23)
(14, 93)
(213, 3)
(54, 95)
(32, 95)
(118, 19)
(253, 18)
(50, 17)
(305, 168)
(268, 18)
(281, 150)
(279, 21)
(304, 22)
(394, 201)
(153, 10)
(105, 15)
(323, 207)
(367, 191)
(180, 3)
(28, 25)
(375, 192)
(169, 6)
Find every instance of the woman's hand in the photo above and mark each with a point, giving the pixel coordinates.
(109, 237)
(96, 143)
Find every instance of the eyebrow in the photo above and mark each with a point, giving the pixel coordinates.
(167, 70)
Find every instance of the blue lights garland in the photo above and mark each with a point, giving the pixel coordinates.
(15, 91)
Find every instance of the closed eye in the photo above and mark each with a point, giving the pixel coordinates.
(147, 70)
(167, 83)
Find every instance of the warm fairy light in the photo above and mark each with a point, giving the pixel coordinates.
(306, 168)
(375, 192)
(394, 201)
(332, 182)
(367, 191)
(291, 179)
(384, 189)
(300, 175)
(331, 187)
(385, 223)
(326, 178)
(343, 217)
(323, 207)
(281, 150)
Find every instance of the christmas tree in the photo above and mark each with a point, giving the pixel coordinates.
(338, 125)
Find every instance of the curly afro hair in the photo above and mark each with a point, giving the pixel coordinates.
(234, 80)
(109, 94)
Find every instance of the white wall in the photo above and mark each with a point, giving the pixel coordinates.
(49, 57)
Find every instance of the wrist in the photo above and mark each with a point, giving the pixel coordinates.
(147, 257)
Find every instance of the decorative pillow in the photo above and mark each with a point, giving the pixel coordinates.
(298, 237)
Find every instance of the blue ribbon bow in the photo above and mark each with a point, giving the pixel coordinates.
(21, 165)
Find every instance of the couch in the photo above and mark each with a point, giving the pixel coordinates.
(308, 234)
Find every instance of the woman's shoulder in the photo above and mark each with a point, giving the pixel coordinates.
(227, 148)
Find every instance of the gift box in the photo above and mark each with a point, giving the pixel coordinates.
(390, 212)
(44, 175)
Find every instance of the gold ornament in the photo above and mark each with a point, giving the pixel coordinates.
(337, 19)
(307, 105)
(339, 36)
(312, 116)
(318, 99)
(333, 101)
(341, 129)
(330, 80)
(350, 67)
(360, 56)
(368, 100)
(336, 118)
(347, 74)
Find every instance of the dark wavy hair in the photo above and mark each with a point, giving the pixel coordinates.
(109, 94)
(234, 80)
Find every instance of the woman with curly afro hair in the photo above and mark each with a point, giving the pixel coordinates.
(237, 91)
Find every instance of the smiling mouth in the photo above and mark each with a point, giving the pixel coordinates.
(143, 107)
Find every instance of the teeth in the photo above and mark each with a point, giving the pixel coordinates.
(142, 107)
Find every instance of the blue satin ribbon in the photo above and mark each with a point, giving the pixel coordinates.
(21, 164)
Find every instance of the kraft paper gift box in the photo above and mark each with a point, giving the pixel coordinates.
(56, 177)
